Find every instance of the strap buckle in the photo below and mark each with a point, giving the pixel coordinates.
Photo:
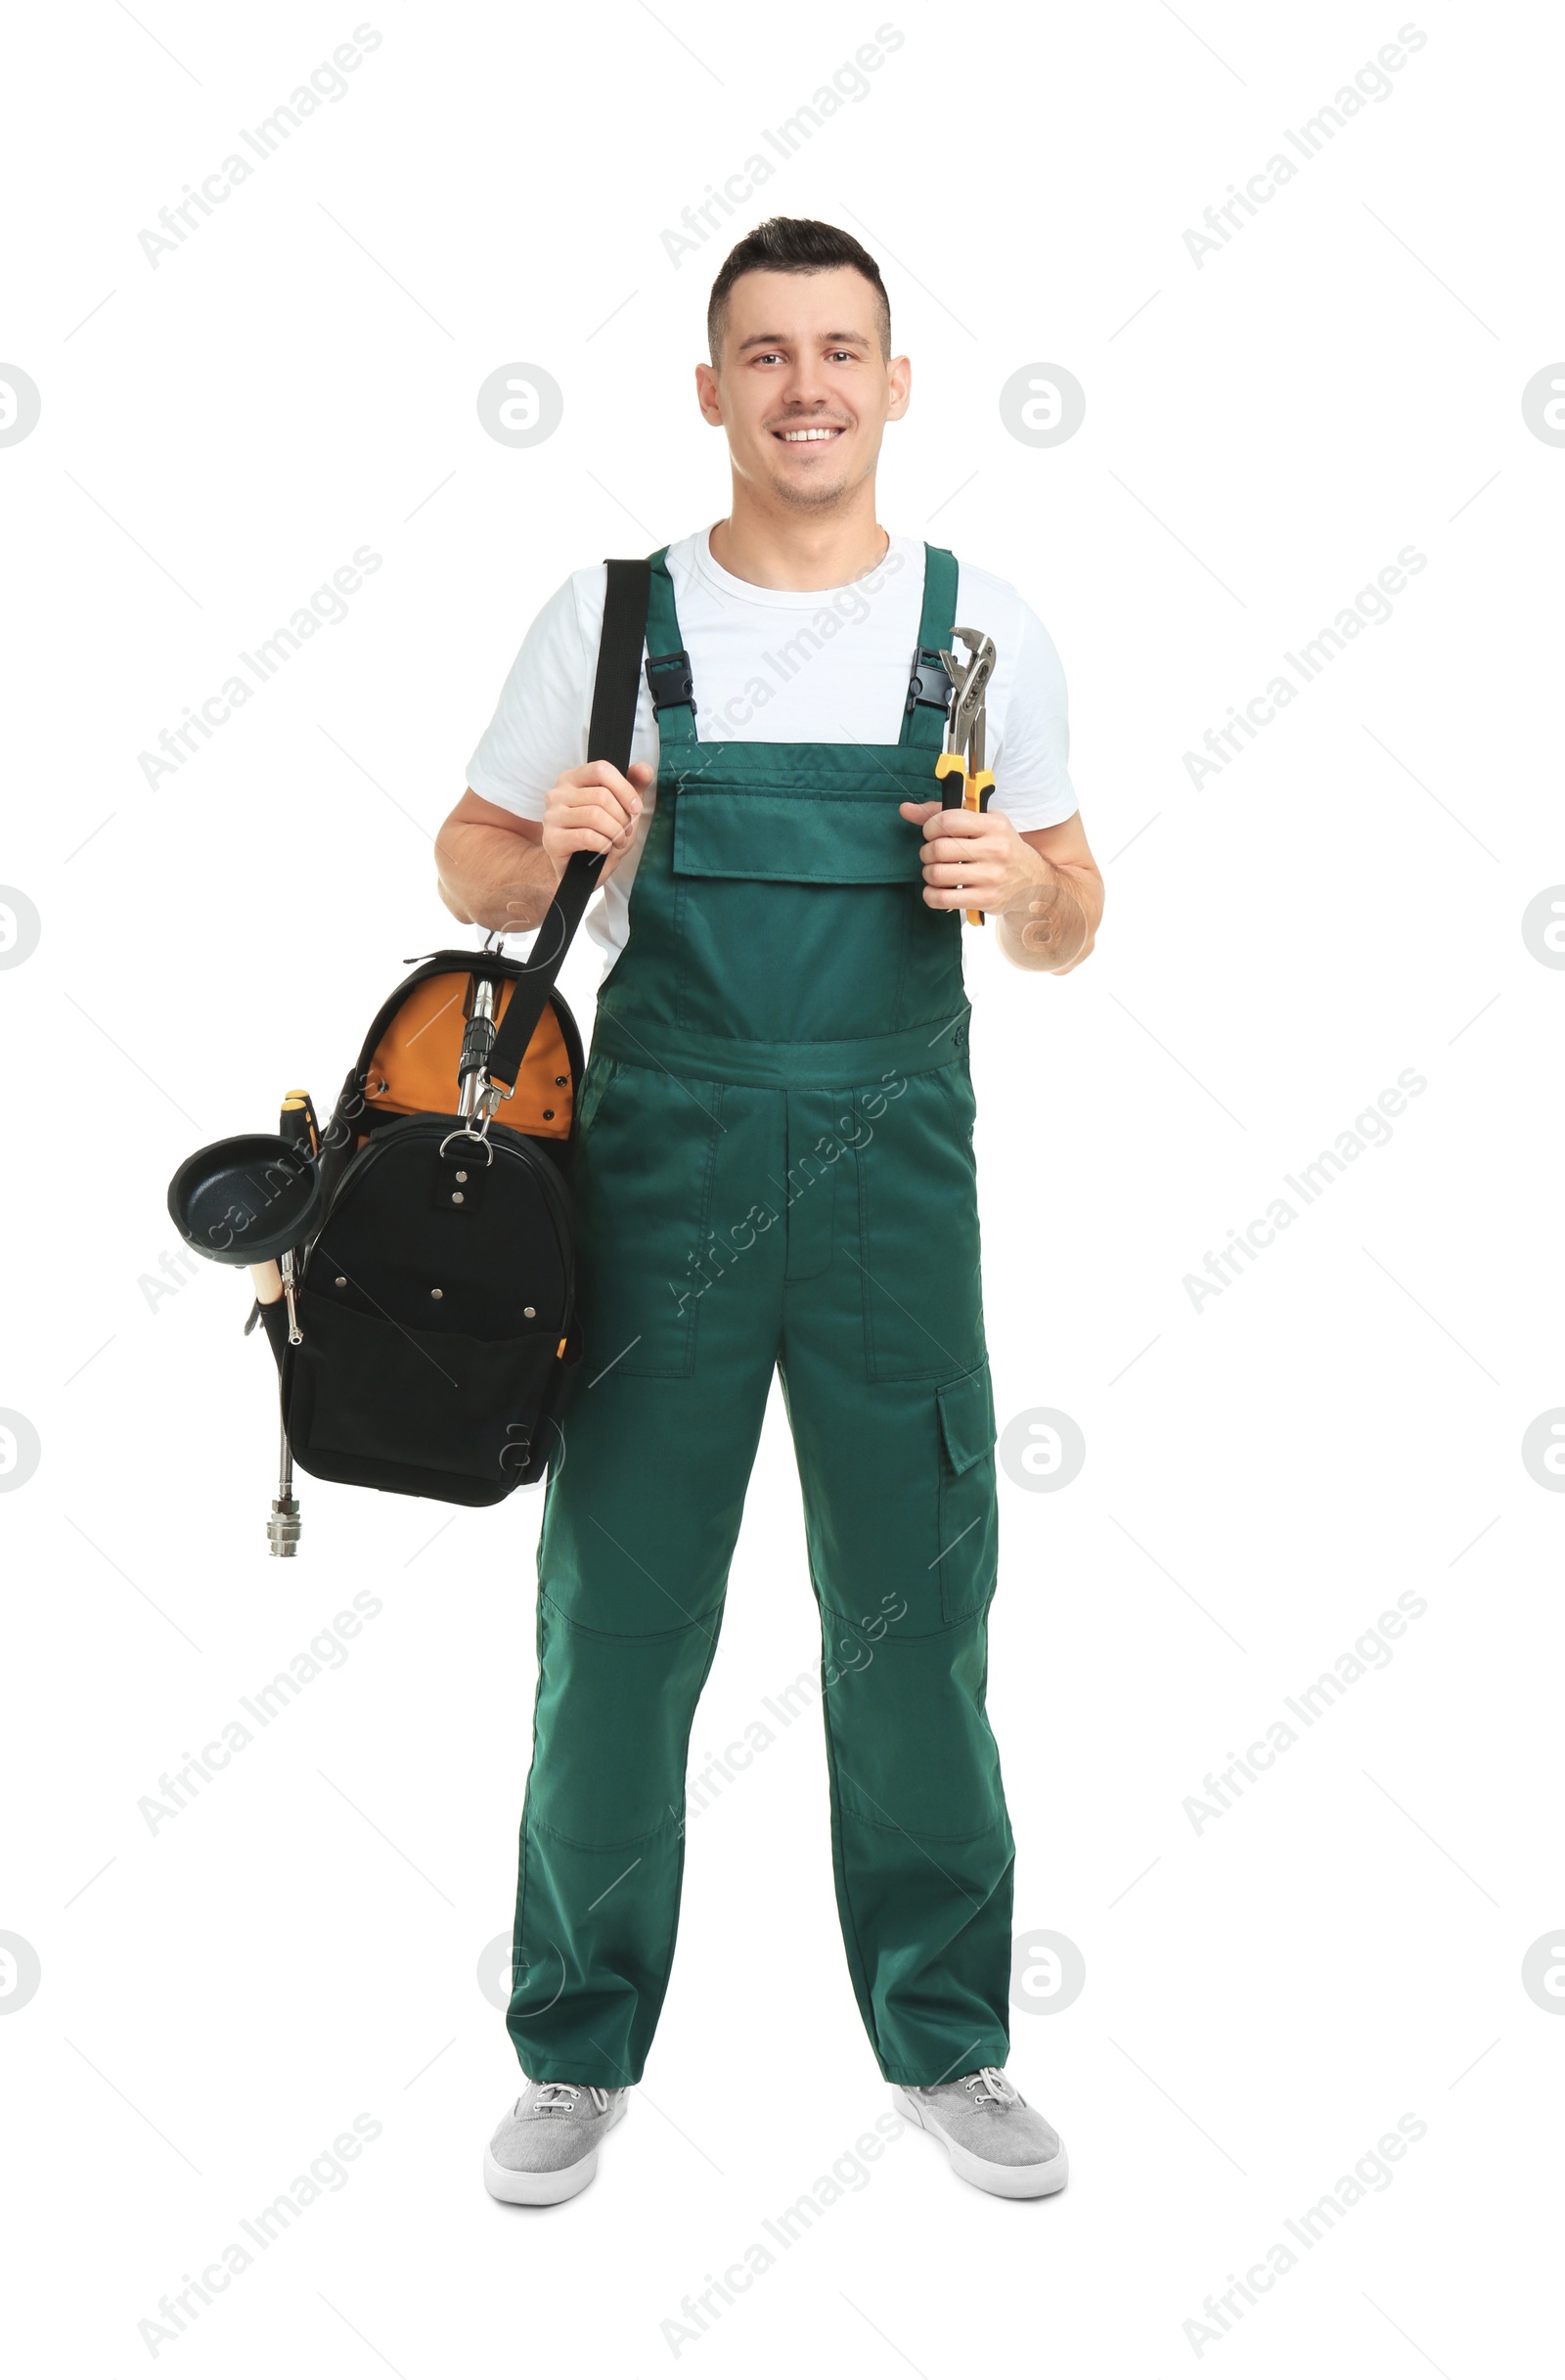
(930, 682)
(672, 682)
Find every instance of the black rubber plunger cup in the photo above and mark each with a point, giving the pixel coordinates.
(245, 1201)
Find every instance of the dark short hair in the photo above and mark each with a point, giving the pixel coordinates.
(791, 243)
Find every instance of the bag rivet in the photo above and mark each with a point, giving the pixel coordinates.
(529, 1311)
(548, 1115)
(456, 1197)
(437, 1293)
(560, 1081)
(342, 1281)
(462, 1177)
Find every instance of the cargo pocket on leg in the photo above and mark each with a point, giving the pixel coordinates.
(970, 1531)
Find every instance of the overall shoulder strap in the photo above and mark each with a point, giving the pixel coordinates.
(616, 692)
(928, 687)
(668, 664)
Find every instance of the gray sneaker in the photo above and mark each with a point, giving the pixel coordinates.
(992, 2136)
(546, 2147)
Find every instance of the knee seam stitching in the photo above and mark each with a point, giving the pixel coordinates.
(618, 1635)
(623, 1843)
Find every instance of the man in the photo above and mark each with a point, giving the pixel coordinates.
(774, 1169)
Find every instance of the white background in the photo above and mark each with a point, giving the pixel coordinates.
(1263, 434)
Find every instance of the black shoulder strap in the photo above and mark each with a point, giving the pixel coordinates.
(609, 738)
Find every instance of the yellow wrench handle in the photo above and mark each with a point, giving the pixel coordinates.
(961, 792)
(979, 788)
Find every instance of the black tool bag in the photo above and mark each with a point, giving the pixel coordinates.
(433, 1306)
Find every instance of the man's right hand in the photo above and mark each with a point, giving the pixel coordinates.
(499, 870)
(594, 808)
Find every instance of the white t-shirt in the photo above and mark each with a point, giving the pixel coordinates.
(776, 665)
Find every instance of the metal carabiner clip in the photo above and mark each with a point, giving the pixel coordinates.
(464, 1130)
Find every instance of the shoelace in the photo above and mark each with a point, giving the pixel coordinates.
(989, 2088)
(560, 2099)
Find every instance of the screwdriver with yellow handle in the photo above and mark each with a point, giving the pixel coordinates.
(964, 782)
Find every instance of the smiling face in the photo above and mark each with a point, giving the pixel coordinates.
(802, 387)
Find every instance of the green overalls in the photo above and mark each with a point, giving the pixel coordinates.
(774, 1168)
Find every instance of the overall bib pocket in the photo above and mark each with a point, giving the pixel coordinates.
(778, 900)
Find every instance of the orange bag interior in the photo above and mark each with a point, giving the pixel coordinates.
(414, 1069)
